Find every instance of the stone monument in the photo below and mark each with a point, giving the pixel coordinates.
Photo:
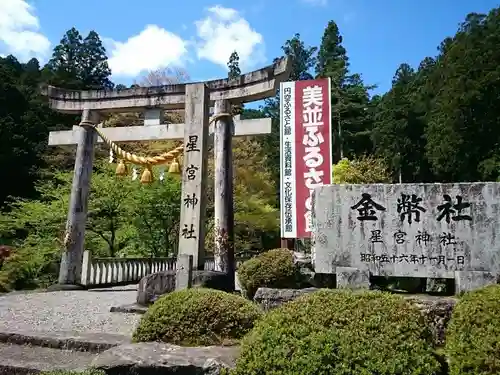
(447, 231)
(195, 99)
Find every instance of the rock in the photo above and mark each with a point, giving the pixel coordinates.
(150, 358)
(437, 285)
(269, 298)
(156, 284)
(435, 310)
(302, 259)
(437, 313)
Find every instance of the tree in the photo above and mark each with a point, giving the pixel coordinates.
(440, 121)
(62, 68)
(398, 133)
(109, 212)
(24, 122)
(462, 133)
(303, 60)
(125, 218)
(233, 74)
(34, 228)
(163, 76)
(234, 66)
(332, 58)
(78, 63)
(350, 97)
(157, 217)
(363, 170)
(95, 71)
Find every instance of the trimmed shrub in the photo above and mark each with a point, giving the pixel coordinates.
(197, 317)
(272, 269)
(339, 332)
(473, 334)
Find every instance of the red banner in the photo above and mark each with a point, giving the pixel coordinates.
(313, 147)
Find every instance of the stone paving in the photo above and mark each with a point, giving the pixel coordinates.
(69, 311)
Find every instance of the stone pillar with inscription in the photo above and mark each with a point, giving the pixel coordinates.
(194, 175)
(432, 231)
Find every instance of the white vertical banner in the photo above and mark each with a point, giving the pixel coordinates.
(287, 161)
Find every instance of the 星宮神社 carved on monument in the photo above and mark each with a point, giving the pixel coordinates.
(195, 99)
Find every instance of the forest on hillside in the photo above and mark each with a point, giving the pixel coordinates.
(439, 122)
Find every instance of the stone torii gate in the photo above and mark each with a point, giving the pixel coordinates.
(195, 99)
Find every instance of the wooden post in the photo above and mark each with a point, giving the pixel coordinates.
(71, 259)
(194, 175)
(223, 203)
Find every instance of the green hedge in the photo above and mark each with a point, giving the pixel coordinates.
(272, 269)
(197, 317)
(473, 334)
(338, 332)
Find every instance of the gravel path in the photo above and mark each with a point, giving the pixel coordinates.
(72, 311)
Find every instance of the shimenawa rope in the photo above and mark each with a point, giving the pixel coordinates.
(147, 161)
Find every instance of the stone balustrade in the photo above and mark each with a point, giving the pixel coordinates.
(100, 272)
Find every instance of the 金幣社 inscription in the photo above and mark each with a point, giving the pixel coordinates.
(419, 230)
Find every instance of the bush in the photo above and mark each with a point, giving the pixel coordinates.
(333, 332)
(473, 334)
(197, 317)
(272, 269)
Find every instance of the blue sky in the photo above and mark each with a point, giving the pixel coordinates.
(199, 35)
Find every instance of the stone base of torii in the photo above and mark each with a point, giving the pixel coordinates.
(195, 99)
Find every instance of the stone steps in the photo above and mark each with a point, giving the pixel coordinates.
(26, 359)
(33, 352)
(84, 342)
(23, 353)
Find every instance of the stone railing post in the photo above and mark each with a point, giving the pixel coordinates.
(86, 268)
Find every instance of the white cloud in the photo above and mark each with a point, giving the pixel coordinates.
(223, 31)
(153, 48)
(20, 30)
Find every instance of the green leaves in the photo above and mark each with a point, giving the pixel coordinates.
(79, 63)
(364, 170)
(340, 332)
(234, 66)
(350, 99)
(439, 123)
(197, 317)
(473, 333)
(271, 269)
(124, 218)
